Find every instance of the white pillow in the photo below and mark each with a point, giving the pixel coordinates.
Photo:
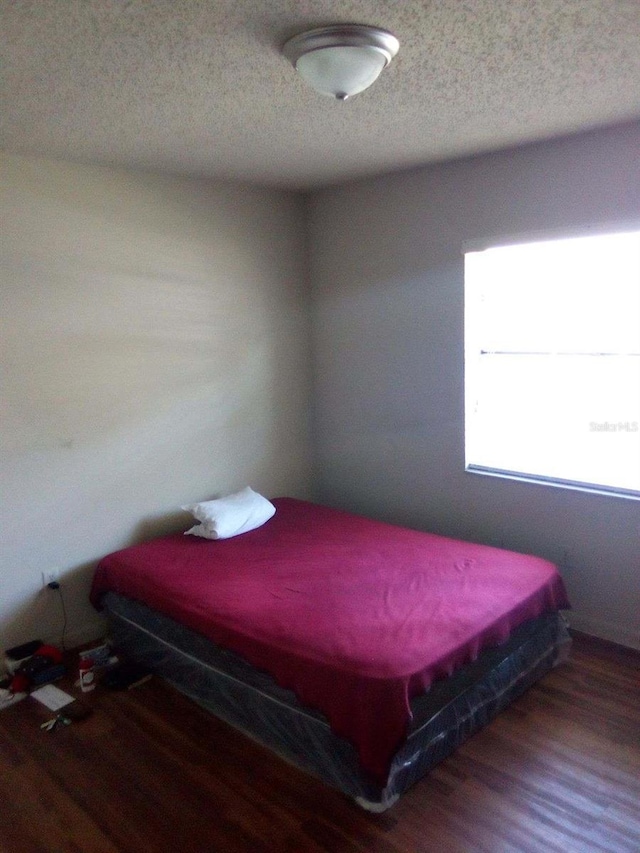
(231, 515)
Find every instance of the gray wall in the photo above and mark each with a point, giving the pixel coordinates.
(155, 336)
(387, 290)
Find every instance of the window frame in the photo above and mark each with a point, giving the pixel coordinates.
(484, 244)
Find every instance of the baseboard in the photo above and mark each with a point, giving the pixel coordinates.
(605, 630)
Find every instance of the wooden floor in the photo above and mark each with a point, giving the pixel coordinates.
(149, 771)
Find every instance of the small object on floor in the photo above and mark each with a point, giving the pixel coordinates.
(99, 655)
(16, 656)
(125, 676)
(40, 667)
(87, 675)
(8, 697)
(52, 724)
(19, 683)
(52, 697)
(70, 713)
(48, 674)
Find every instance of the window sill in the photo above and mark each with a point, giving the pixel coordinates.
(601, 491)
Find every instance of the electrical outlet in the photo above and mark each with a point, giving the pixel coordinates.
(50, 577)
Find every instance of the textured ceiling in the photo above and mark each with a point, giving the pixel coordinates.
(200, 86)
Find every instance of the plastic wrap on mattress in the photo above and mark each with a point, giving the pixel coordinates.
(251, 701)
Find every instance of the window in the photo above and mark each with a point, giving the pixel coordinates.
(552, 361)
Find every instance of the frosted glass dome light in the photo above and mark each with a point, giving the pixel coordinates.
(342, 60)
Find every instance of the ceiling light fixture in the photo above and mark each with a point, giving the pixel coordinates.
(343, 59)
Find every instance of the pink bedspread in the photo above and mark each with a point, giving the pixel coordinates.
(355, 616)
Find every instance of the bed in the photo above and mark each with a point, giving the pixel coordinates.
(361, 651)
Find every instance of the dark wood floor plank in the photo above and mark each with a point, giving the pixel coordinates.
(150, 772)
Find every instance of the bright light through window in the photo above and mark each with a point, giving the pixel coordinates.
(552, 361)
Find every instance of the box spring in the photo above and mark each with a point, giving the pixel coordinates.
(250, 700)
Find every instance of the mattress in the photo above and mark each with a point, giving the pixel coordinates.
(355, 617)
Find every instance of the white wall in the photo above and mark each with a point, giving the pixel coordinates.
(387, 281)
(155, 340)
